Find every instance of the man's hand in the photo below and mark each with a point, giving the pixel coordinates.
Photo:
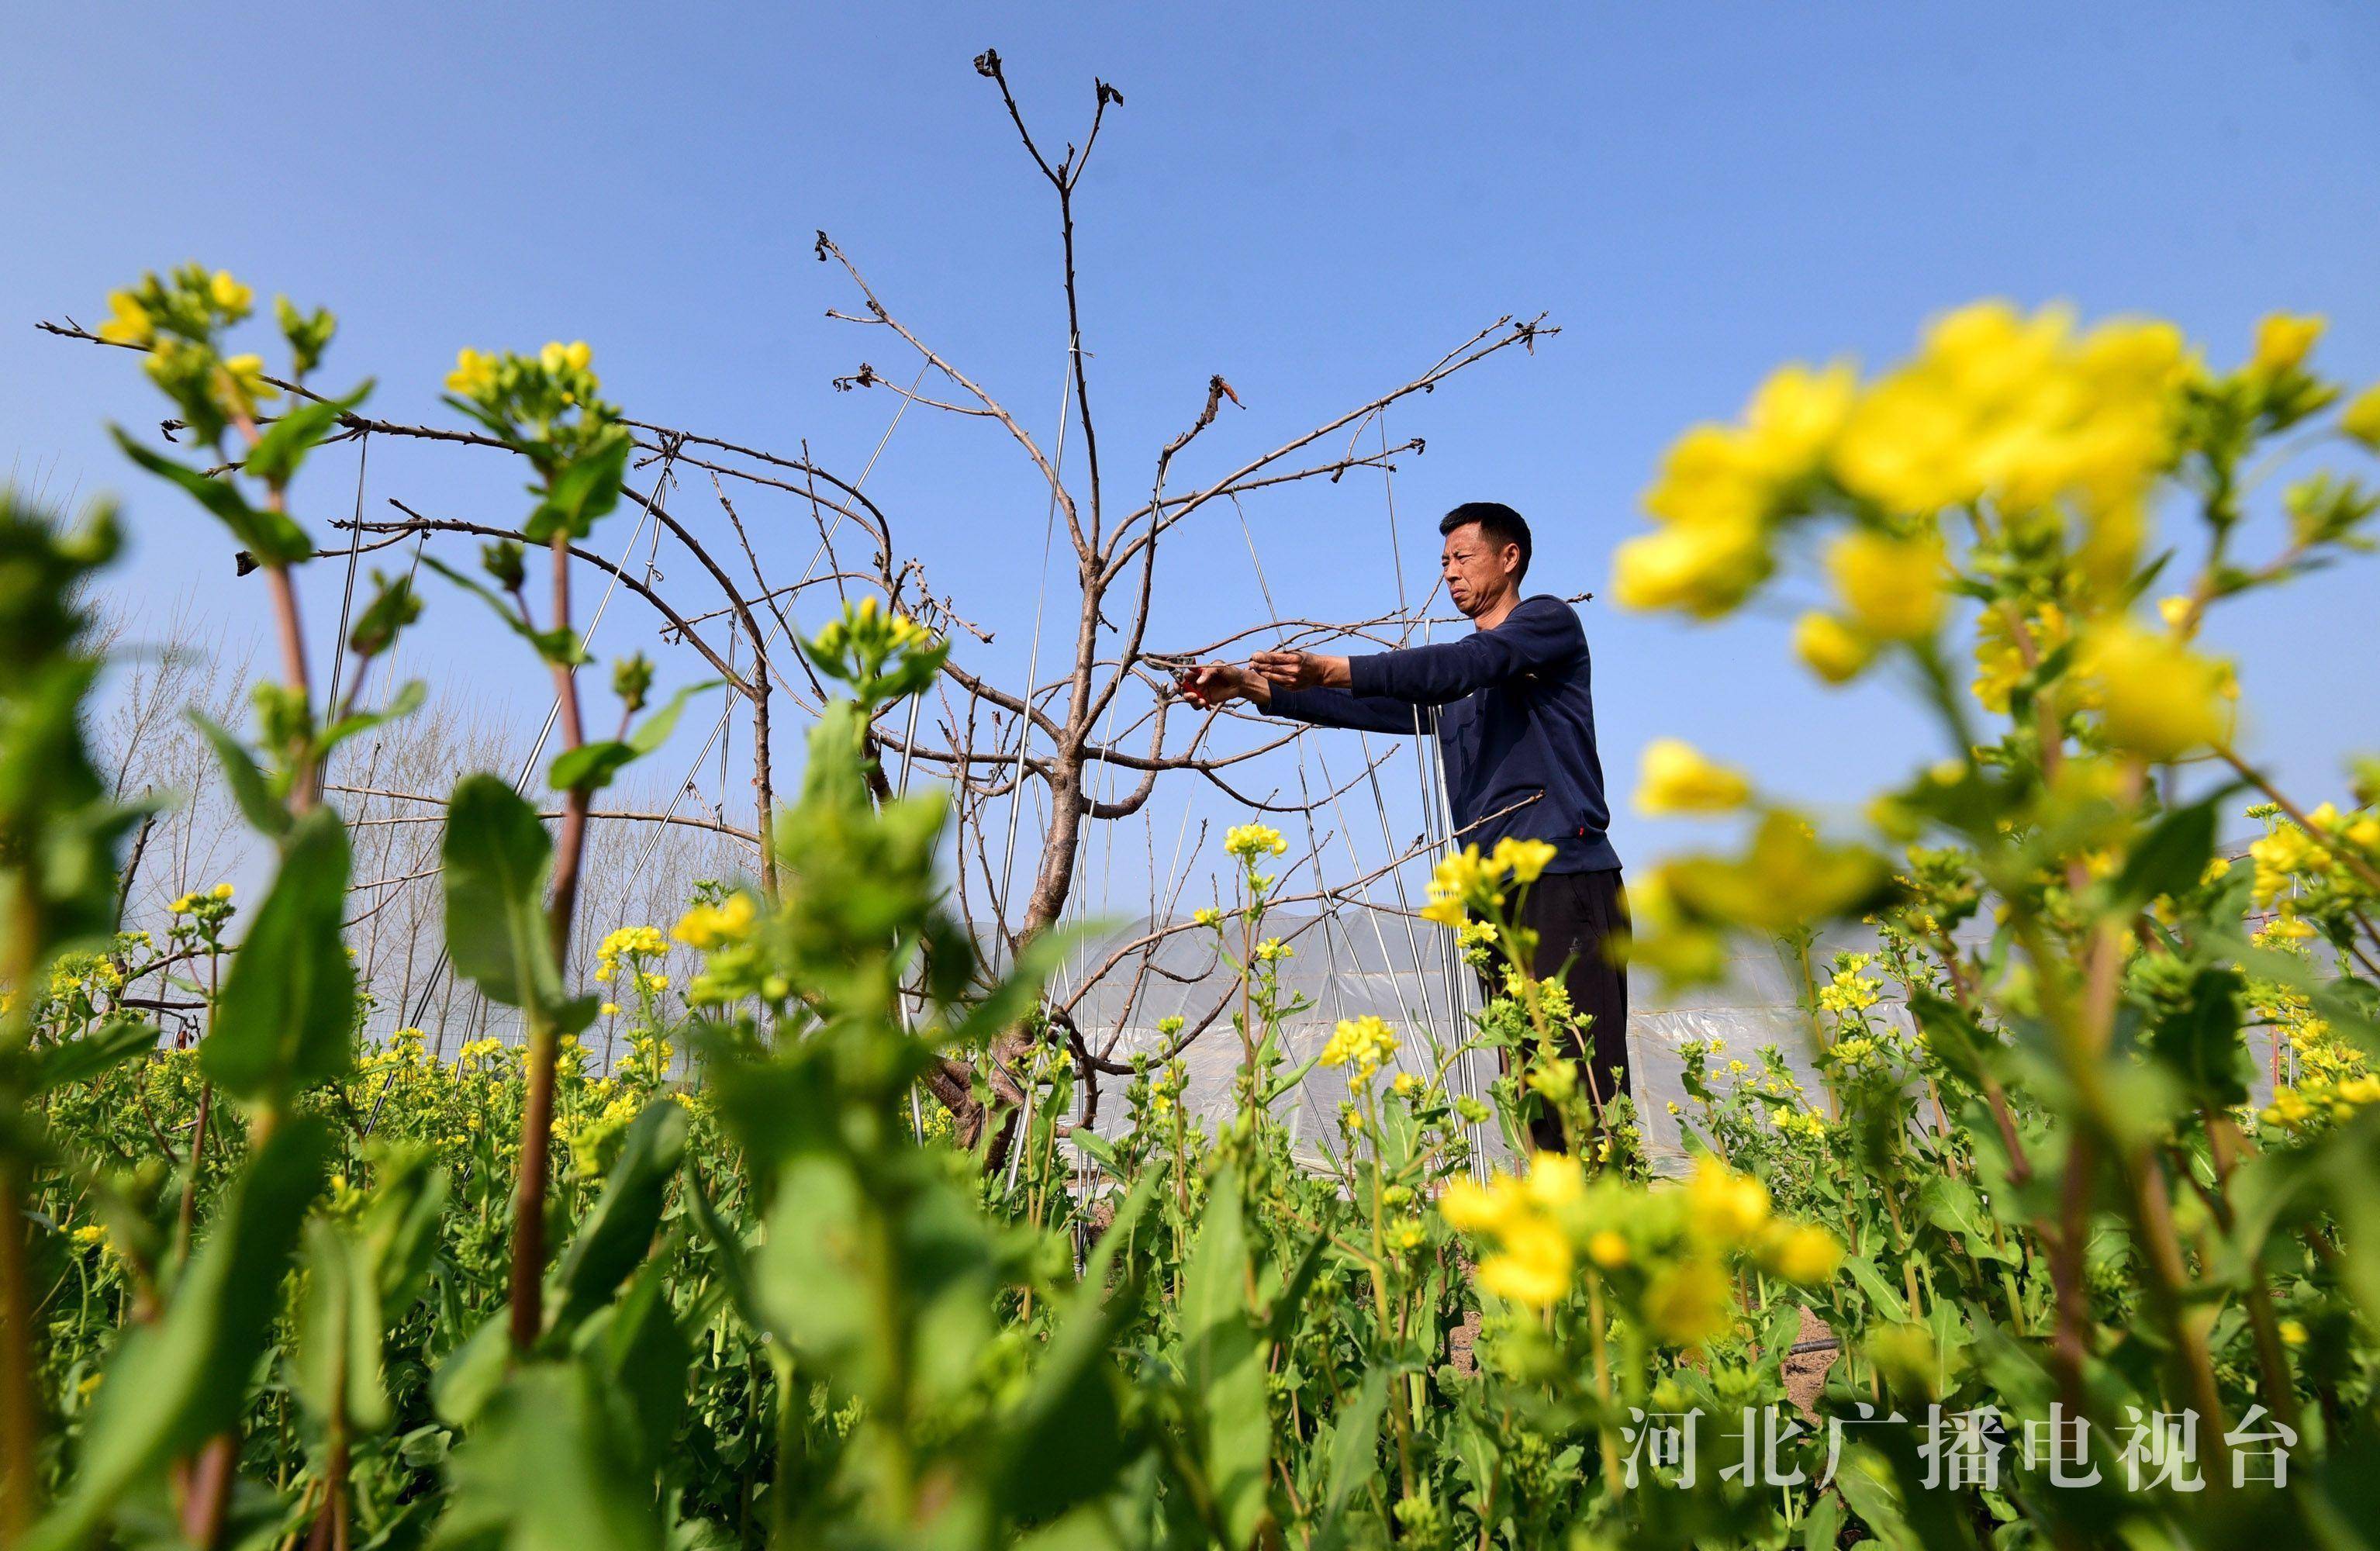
(1301, 670)
(1212, 684)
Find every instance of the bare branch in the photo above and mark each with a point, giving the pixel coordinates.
(826, 249)
(417, 523)
(690, 821)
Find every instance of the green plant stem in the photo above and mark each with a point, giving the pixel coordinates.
(2015, 1305)
(897, 1479)
(206, 1490)
(2168, 1281)
(2070, 1345)
(305, 789)
(1247, 975)
(1400, 1402)
(2082, 1036)
(185, 1224)
(2272, 1355)
(2003, 1122)
(1901, 1248)
(20, 1479)
(1607, 1446)
(525, 1287)
(782, 1502)
(19, 1410)
(330, 1532)
(185, 1221)
(1818, 1040)
(2151, 1206)
(527, 1276)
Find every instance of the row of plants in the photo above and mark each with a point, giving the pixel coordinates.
(2082, 1290)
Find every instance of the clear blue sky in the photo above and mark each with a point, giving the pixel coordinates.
(1313, 201)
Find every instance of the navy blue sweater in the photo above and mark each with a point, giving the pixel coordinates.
(1515, 727)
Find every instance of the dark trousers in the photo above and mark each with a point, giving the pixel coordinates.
(1578, 917)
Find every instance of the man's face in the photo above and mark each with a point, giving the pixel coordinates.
(1478, 572)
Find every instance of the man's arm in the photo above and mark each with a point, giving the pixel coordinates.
(1217, 684)
(1541, 633)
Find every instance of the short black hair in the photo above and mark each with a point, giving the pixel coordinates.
(1498, 524)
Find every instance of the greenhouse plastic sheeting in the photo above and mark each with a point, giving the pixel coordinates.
(1355, 962)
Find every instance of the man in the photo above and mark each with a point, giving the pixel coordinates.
(1515, 717)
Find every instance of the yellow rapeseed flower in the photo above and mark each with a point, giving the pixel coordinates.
(1830, 648)
(1532, 1265)
(1705, 566)
(1608, 1249)
(1996, 404)
(2000, 661)
(2157, 697)
(1892, 587)
(1467, 875)
(1472, 1207)
(2281, 855)
(1446, 910)
(1917, 440)
(1807, 1255)
(2283, 341)
(1907, 448)
(131, 323)
(1250, 840)
(707, 927)
(1690, 1302)
(474, 375)
(632, 940)
(1364, 1043)
(243, 385)
(1795, 415)
(2361, 419)
(221, 890)
(1723, 1205)
(1662, 936)
(1677, 779)
(1554, 1180)
(1708, 476)
(232, 300)
(1525, 859)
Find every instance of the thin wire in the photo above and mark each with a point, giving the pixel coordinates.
(760, 827)
(1033, 657)
(1024, 723)
(1436, 800)
(1330, 916)
(348, 595)
(901, 788)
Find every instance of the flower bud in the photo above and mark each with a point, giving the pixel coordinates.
(502, 562)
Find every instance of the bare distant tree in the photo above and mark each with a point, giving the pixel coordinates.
(169, 664)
